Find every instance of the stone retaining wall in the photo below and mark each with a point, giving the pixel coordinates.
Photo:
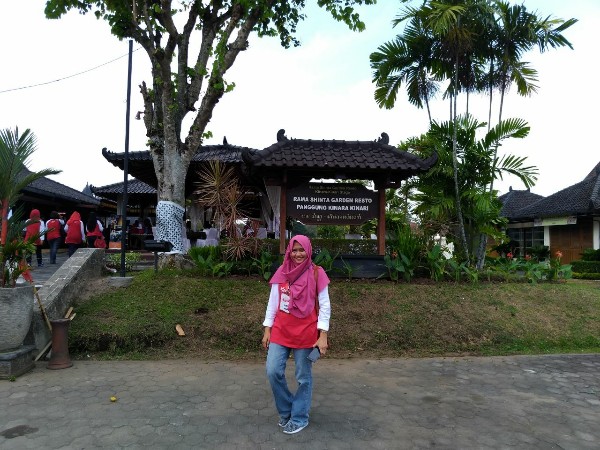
(62, 289)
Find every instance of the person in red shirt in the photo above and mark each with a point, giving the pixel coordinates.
(53, 227)
(296, 321)
(34, 227)
(75, 233)
(94, 229)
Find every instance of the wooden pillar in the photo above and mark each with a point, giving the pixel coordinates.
(282, 215)
(381, 222)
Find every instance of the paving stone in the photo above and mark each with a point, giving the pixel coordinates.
(521, 402)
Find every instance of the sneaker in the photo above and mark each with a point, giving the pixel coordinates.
(292, 428)
(283, 422)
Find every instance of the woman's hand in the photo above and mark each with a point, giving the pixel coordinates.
(266, 338)
(322, 342)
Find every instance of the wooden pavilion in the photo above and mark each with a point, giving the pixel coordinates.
(280, 177)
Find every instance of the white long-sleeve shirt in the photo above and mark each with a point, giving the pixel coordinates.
(324, 308)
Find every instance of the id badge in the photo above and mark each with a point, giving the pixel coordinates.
(284, 299)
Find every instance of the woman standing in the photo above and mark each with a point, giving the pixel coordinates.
(93, 229)
(75, 233)
(296, 321)
(35, 227)
(53, 226)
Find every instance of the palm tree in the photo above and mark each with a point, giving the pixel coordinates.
(515, 32)
(408, 59)
(452, 23)
(15, 150)
(433, 190)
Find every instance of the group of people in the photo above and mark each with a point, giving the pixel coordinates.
(141, 227)
(74, 231)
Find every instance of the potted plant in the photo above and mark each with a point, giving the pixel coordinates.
(16, 301)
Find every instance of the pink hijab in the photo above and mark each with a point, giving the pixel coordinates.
(301, 278)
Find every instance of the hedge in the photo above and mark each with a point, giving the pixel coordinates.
(586, 266)
(586, 276)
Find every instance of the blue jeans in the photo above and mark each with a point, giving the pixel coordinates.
(296, 406)
(54, 244)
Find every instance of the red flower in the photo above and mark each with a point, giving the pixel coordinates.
(527, 257)
(559, 254)
(509, 255)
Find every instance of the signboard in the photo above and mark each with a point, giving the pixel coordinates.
(552, 221)
(332, 203)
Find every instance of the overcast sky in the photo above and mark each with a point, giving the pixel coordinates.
(321, 90)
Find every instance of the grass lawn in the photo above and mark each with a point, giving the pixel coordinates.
(222, 318)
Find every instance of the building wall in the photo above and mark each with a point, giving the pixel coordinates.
(571, 240)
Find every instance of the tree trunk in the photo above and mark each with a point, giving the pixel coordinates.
(483, 238)
(4, 222)
(171, 165)
(461, 223)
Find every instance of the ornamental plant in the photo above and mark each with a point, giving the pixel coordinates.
(558, 271)
(14, 251)
(532, 269)
(15, 150)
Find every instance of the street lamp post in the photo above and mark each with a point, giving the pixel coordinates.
(126, 165)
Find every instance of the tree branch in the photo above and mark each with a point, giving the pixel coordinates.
(215, 89)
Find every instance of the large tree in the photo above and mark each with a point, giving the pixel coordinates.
(186, 82)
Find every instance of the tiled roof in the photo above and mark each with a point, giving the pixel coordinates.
(338, 155)
(579, 199)
(225, 153)
(595, 172)
(514, 200)
(140, 163)
(45, 187)
(133, 187)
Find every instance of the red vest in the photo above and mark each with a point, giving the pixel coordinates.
(96, 232)
(293, 332)
(53, 226)
(31, 230)
(74, 233)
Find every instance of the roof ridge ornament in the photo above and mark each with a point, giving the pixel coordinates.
(384, 139)
(281, 136)
(225, 140)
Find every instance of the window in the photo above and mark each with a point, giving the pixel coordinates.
(526, 239)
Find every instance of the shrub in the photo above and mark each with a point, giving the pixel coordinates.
(436, 263)
(586, 276)
(325, 260)
(345, 246)
(211, 250)
(540, 252)
(586, 266)
(113, 260)
(589, 254)
(264, 264)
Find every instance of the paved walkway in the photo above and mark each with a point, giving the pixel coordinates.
(42, 274)
(523, 402)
